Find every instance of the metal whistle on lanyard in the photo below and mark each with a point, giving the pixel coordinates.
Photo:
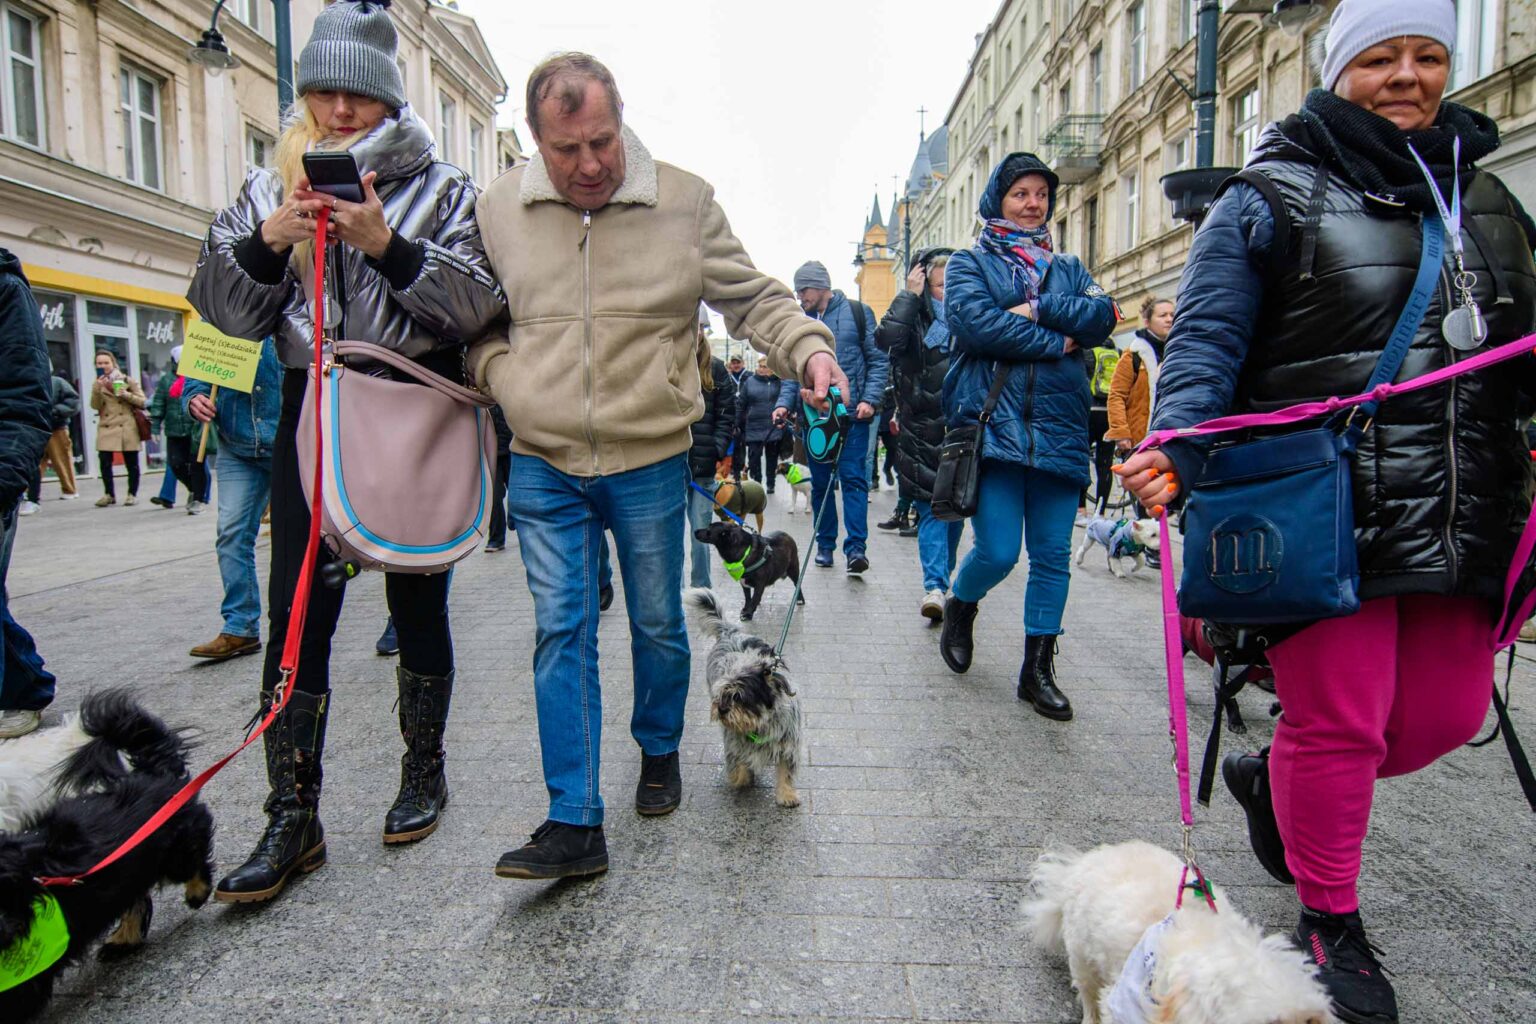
(1463, 327)
(825, 431)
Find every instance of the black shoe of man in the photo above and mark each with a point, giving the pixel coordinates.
(557, 850)
(660, 788)
(605, 598)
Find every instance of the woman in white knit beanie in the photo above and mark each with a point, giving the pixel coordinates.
(1296, 279)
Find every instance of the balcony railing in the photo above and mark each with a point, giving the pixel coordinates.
(1072, 147)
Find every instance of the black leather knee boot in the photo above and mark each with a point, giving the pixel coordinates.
(294, 839)
(1037, 679)
(423, 785)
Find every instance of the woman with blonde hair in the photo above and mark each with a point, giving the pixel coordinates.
(407, 271)
(115, 396)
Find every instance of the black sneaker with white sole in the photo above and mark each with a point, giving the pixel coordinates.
(1347, 967)
(557, 850)
(858, 564)
(1247, 776)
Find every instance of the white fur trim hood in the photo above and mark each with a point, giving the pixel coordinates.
(1149, 366)
(639, 186)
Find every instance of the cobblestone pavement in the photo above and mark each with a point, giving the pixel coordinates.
(892, 893)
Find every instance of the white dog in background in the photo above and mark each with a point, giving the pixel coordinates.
(1134, 960)
(1122, 539)
(799, 479)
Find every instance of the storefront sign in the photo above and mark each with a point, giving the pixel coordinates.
(211, 355)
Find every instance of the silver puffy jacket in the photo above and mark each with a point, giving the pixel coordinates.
(451, 302)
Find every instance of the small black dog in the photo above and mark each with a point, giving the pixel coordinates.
(764, 559)
(81, 830)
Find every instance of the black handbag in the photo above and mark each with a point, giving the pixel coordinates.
(957, 483)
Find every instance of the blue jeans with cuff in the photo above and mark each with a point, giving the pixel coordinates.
(1043, 506)
(853, 481)
(937, 543)
(245, 486)
(560, 524)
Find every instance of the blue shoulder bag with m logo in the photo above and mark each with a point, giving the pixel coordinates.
(1269, 527)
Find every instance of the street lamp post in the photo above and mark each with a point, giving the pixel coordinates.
(213, 53)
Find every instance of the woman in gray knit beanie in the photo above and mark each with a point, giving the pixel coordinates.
(408, 272)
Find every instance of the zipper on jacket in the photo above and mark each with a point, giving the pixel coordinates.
(1029, 405)
(586, 320)
(1450, 440)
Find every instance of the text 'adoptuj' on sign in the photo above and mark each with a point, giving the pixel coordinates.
(211, 355)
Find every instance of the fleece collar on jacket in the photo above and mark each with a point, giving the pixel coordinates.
(1143, 348)
(638, 188)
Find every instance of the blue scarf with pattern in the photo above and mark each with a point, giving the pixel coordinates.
(1027, 251)
(937, 335)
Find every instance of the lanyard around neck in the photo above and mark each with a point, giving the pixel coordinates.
(1452, 215)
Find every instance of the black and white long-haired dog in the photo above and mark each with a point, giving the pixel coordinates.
(109, 792)
(752, 700)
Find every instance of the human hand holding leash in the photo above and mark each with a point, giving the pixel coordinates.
(1150, 476)
(821, 372)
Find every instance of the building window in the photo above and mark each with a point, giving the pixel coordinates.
(1136, 19)
(1091, 233)
(476, 146)
(1245, 124)
(447, 113)
(258, 149)
(21, 84)
(1096, 80)
(1132, 210)
(1178, 154)
(1007, 59)
(139, 95)
(1476, 25)
(1064, 100)
(1036, 115)
(252, 12)
(1189, 19)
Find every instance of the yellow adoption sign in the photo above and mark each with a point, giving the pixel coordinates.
(211, 355)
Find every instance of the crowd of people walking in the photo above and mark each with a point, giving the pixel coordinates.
(570, 291)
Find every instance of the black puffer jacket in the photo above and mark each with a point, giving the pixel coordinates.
(1442, 479)
(755, 400)
(919, 375)
(712, 431)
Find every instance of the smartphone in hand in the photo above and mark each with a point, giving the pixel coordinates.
(335, 174)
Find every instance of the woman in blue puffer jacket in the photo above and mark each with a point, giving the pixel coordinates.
(1016, 306)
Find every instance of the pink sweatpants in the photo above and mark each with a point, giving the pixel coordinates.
(1383, 692)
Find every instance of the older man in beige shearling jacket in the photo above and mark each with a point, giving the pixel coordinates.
(604, 255)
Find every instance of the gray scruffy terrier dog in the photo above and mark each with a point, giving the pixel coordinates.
(752, 700)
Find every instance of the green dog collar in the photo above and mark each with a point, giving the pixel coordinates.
(794, 474)
(736, 569)
(39, 949)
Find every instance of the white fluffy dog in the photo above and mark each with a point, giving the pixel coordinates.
(1195, 967)
(1125, 538)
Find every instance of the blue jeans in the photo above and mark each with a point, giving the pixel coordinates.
(560, 524)
(168, 486)
(1044, 506)
(24, 684)
(245, 485)
(937, 543)
(700, 507)
(853, 481)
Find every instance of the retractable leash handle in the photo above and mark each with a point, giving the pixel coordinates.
(825, 432)
(290, 661)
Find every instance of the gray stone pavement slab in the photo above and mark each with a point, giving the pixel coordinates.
(893, 893)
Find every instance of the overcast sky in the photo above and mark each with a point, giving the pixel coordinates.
(797, 112)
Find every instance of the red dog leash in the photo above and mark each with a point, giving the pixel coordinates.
(290, 663)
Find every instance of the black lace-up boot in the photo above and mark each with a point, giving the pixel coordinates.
(423, 785)
(955, 644)
(294, 839)
(1347, 966)
(1037, 679)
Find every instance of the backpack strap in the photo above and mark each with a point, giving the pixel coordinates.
(1258, 180)
(860, 317)
(1314, 220)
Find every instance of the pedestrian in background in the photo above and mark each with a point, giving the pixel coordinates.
(407, 272)
(605, 254)
(853, 325)
(183, 434)
(246, 425)
(737, 369)
(1133, 389)
(59, 452)
(711, 443)
(759, 432)
(1441, 479)
(915, 333)
(1016, 306)
(26, 405)
(115, 396)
